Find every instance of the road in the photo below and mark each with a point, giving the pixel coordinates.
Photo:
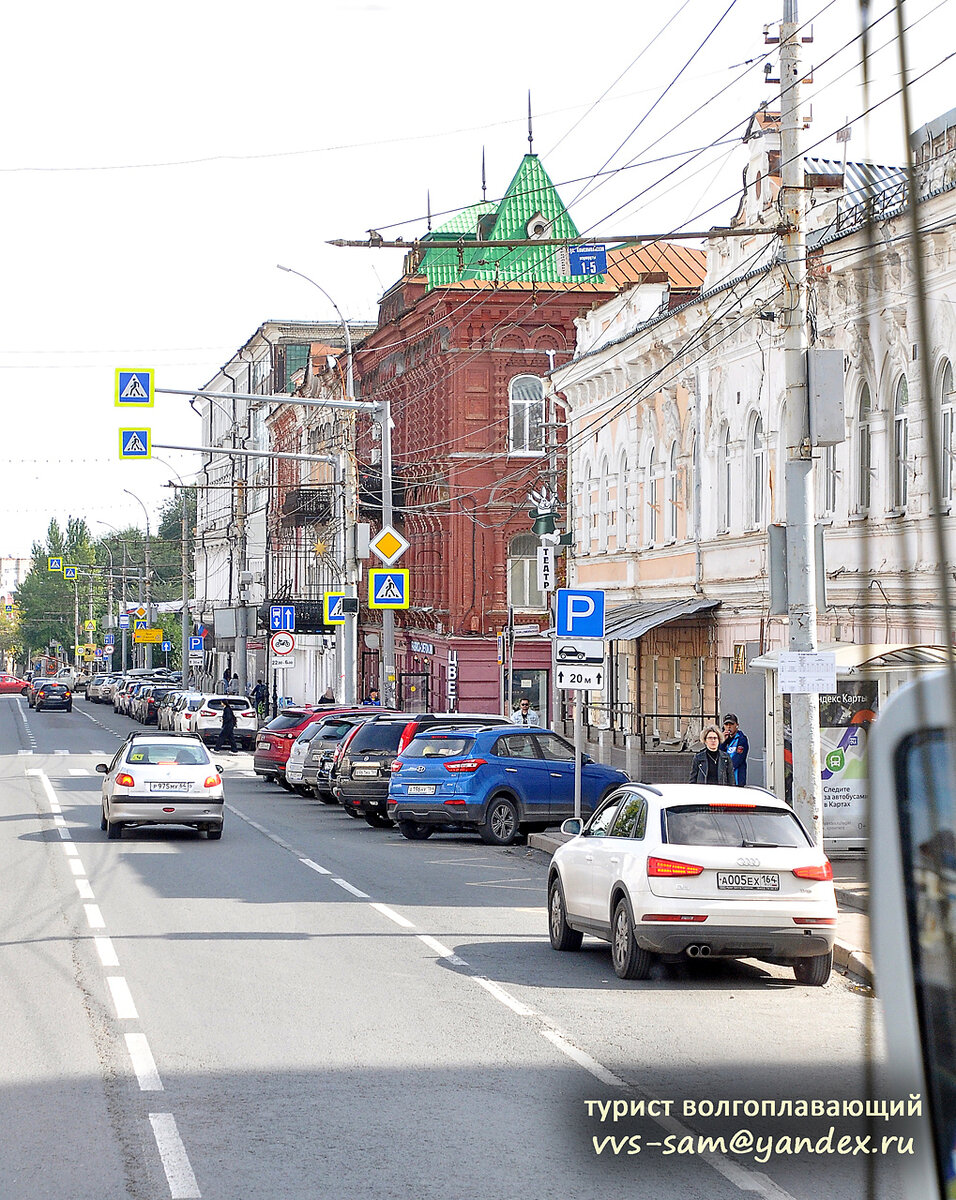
(311, 1008)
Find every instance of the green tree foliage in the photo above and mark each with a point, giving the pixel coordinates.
(46, 600)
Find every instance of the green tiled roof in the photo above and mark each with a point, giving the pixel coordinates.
(530, 194)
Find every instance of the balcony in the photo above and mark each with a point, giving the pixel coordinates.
(307, 506)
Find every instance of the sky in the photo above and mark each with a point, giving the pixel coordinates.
(158, 161)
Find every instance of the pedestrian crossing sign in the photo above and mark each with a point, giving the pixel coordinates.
(134, 443)
(69, 572)
(139, 624)
(332, 613)
(388, 589)
(54, 564)
(134, 389)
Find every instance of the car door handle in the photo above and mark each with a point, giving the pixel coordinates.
(589, 858)
(557, 775)
(615, 861)
(513, 770)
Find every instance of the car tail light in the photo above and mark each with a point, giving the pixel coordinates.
(814, 920)
(671, 917)
(464, 766)
(407, 734)
(453, 802)
(207, 712)
(212, 781)
(125, 781)
(396, 765)
(187, 713)
(667, 868)
(247, 714)
(823, 872)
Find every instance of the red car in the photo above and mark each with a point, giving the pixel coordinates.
(274, 741)
(10, 685)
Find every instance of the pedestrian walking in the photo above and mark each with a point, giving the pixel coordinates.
(736, 745)
(524, 714)
(259, 696)
(226, 677)
(711, 764)
(228, 729)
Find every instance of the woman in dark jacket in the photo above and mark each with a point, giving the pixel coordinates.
(712, 765)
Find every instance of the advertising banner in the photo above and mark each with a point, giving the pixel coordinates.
(845, 719)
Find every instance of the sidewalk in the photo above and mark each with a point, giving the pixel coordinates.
(851, 951)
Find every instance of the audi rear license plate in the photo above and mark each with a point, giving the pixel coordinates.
(421, 789)
(748, 881)
(169, 787)
(365, 772)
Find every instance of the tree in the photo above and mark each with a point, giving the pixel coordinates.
(46, 601)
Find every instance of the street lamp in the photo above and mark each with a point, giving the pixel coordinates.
(185, 622)
(149, 585)
(122, 587)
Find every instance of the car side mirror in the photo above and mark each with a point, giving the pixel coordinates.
(572, 826)
(219, 768)
(585, 759)
(101, 768)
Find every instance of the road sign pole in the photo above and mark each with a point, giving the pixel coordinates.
(388, 617)
(578, 749)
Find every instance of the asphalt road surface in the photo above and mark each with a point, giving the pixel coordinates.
(311, 1008)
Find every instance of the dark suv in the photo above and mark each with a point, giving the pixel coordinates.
(53, 695)
(317, 768)
(364, 767)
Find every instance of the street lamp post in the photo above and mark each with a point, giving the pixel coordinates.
(148, 657)
(122, 590)
(185, 623)
(349, 564)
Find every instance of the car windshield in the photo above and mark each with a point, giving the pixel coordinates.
(377, 736)
(438, 747)
(286, 720)
(307, 734)
(732, 825)
(166, 754)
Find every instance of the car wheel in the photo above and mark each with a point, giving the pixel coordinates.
(415, 831)
(326, 797)
(69, 708)
(377, 821)
(214, 835)
(813, 971)
(563, 937)
(351, 811)
(114, 831)
(630, 961)
(283, 783)
(302, 790)
(104, 824)
(501, 823)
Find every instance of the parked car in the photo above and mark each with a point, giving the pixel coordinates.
(274, 741)
(680, 871)
(94, 689)
(149, 701)
(497, 782)
(107, 687)
(54, 694)
(185, 709)
(298, 752)
(318, 763)
(154, 779)
(12, 685)
(206, 718)
(166, 708)
(364, 768)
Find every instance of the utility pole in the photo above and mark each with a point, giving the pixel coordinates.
(798, 472)
(388, 616)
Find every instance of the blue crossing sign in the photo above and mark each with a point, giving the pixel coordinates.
(282, 616)
(580, 613)
(388, 589)
(134, 389)
(139, 623)
(195, 643)
(69, 572)
(134, 443)
(54, 564)
(332, 613)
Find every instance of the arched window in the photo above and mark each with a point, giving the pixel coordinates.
(526, 415)
(864, 451)
(523, 572)
(673, 497)
(651, 499)
(900, 444)
(690, 482)
(605, 514)
(947, 443)
(724, 480)
(758, 473)
(585, 506)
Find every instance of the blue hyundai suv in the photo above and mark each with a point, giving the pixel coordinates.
(501, 782)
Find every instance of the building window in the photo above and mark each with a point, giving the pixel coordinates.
(864, 452)
(724, 492)
(623, 499)
(677, 698)
(690, 478)
(829, 480)
(605, 515)
(523, 572)
(673, 496)
(526, 415)
(651, 499)
(900, 444)
(584, 508)
(946, 440)
(758, 472)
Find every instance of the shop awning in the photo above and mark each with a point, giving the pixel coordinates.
(877, 656)
(630, 621)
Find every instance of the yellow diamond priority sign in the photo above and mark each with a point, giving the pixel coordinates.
(388, 545)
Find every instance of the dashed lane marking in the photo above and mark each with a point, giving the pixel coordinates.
(144, 1065)
(172, 1152)
(79, 771)
(122, 998)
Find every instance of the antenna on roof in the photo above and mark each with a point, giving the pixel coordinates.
(530, 130)
(428, 203)
(484, 182)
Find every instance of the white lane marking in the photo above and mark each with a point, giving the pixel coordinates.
(65, 833)
(583, 1059)
(46, 785)
(75, 865)
(344, 883)
(441, 951)
(506, 998)
(94, 917)
(104, 948)
(393, 915)
(62, 752)
(105, 728)
(144, 1065)
(70, 850)
(58, 818)
(314, 866)
(122, 998)
(172, 1152)
(24, 752)
(79, 771)
(85, 888)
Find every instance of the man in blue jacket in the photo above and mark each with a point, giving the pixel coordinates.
(736, 745)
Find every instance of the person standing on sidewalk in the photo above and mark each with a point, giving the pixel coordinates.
(735, 744)
(711, 764)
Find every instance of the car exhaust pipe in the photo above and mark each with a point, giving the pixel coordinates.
(703, 951)
(693, 951)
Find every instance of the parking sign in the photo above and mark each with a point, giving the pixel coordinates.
(580, 613)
